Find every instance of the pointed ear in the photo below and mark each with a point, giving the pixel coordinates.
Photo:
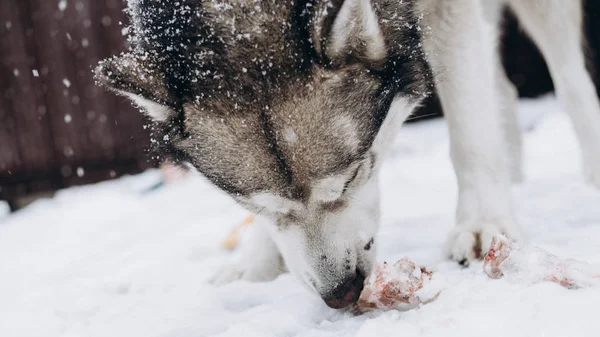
(355, 32)
(134, 77)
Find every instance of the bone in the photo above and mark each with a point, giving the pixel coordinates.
(401, 286)
(533, 265)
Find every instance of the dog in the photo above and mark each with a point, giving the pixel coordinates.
(290, 107)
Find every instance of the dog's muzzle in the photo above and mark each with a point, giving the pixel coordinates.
(346, 293)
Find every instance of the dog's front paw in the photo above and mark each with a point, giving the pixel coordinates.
(259, 271)
(469, 243)
(257, 258)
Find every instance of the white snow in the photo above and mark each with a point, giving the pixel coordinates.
(109, 260)
(3, 209)
(62, 5)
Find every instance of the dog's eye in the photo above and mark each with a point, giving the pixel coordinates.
(364, 170)
(352, 178)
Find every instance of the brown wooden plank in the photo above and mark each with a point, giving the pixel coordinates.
(54, 54)
(23, 101)
(82, 43)
(9, 158)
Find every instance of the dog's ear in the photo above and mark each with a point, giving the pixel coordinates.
(136, 77)
(355, 33)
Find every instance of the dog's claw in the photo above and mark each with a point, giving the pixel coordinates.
(470, 243)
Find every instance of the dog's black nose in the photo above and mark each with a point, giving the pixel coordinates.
(346, 293)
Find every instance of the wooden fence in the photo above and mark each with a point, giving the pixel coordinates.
(58, 129)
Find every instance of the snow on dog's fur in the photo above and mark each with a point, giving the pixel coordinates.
(289, 107)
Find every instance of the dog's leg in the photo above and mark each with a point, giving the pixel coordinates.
(556, 27)
(460, 47)
(508, 94)
(256, 259)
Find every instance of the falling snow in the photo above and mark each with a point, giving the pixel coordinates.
(62, 5)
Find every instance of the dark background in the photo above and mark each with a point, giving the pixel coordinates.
(55, 134)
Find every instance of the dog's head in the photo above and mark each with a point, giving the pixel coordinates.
(288, 107)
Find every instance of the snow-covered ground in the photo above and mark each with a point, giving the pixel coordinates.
(108, 260)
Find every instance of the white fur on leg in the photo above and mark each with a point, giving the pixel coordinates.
(507, 94)
(508, 97)
(256, 259)
(556, 28)
(461, 49)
